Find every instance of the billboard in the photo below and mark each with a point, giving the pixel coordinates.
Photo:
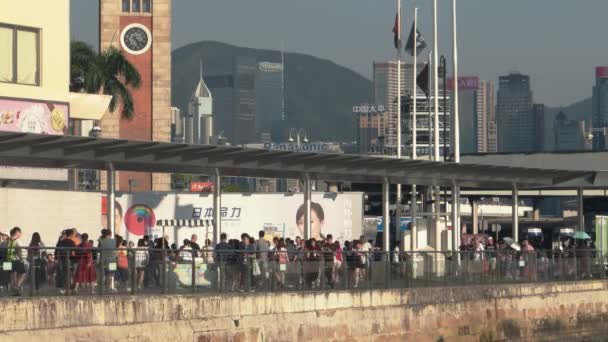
(465, 83)
(277, 214)
(32, 116)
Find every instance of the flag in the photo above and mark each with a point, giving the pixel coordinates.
(422, 80)
(397, 32)
(417, 37)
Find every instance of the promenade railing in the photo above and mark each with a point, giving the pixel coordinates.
(93, 271)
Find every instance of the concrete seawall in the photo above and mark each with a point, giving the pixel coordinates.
(475, 313)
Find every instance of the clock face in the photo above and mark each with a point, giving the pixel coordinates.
(136, 39)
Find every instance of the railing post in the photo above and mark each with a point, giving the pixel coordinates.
(322, 272)
(163, 276)
(345, 270)
(102, 273)
(133, 271)
(193, 254)
(32, 276)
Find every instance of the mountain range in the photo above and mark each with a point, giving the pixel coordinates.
(319, 94)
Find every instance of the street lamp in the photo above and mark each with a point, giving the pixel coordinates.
(298, 133)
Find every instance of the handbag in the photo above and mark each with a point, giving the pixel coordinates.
(256, 269)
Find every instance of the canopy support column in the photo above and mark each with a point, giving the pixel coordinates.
(414, 213)
(581, 214)
(307, 204)
(217, 205)
(455, 223)
(386, 233)
(515, 213)
(111, 199)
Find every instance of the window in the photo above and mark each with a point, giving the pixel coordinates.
(136, 6)
(146, 6)
(19, 55)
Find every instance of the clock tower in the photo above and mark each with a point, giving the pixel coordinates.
(142, 30)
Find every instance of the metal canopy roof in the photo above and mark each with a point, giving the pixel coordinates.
(32, 150)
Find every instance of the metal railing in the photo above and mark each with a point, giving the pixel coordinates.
(78, 271)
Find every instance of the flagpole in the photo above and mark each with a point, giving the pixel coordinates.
(428, 100)
(456, 127)
(413, 203)
(435, 84)
(398, 195)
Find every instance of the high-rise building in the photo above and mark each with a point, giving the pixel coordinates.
(370, 131)
(476, 114)
(269, 101)
(199, 122)
(243, 130)
(471, 119)
(177, 126)
(538, 111)
(487, 95)
(569, 134)
(486, 117)
(515, 120)
(600, 108)
(385, 94)
(221, 84)
(425, 126)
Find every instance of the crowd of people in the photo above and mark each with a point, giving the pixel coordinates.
(527, 260)
(78, 263)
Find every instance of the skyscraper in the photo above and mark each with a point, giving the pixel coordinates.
(487, 96)
(538, 111)
(476, 114)
(515, 120)
(600, 107)
(486, 117)
(569, 134)
(199, 122)
(385, 94)
(243, 120)
(269, 99)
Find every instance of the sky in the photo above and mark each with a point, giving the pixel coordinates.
(557, 42)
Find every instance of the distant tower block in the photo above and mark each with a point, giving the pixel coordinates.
(141, 29)
(200, 114)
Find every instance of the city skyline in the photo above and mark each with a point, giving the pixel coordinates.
(490, 45)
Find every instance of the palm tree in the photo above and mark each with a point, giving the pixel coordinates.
(108, 72)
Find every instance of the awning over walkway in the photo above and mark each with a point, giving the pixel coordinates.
(20, 149)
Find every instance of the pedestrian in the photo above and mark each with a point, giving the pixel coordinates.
(86, 274)
(282, 260)
(14, 256)
(141, 261)
(107, 246)
(185, 252)
(328, 250)
(194, 245)
(64, 255)
(36, 259)
(263, 249)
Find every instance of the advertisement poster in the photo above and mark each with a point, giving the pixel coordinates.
(280, 215)
(27, 116)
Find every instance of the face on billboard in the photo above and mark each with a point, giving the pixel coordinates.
(317, 219)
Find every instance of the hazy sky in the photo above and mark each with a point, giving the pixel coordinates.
(556, 42)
